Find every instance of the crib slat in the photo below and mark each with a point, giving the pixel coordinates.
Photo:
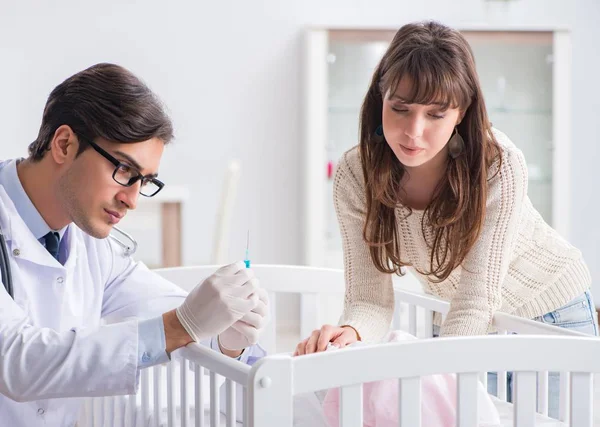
(89, 412)
(501, 383)
(132, 409)
(409, 393)
(412, 319)
(109, 408)
(268, 339)
(351, 406)
(231, 415)
(582, 399)
(170, 399)
(199, 395)
(467, 394)
(118, 412)
(397, 320)
(97, 411)
(483, 377)
(428, 322)
(563, 401)
(145, 391)
(309, 313)
(214, 401)
(543, 393)
(245, 405)
(185, 414)
(158, 385)
(524, 399)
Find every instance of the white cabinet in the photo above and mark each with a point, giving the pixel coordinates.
(525, 77)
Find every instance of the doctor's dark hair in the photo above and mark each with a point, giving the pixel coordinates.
(104, 100)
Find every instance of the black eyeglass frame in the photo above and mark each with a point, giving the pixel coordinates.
(118, 164)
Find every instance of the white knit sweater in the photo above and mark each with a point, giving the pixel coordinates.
(518, 265)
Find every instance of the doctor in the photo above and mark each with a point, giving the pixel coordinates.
(99, 146)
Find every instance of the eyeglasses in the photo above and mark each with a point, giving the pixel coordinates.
(127, 175)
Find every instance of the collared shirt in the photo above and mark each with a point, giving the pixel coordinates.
(9, 178)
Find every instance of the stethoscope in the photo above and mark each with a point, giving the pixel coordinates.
(128, 250)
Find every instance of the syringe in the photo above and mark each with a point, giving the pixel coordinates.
(247, 258)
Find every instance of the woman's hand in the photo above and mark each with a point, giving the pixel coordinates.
(339, 336)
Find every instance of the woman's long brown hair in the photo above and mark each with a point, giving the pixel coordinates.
(440, 64)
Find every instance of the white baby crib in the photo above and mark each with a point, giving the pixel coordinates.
(188, 391)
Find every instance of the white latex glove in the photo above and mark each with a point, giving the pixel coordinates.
(219, 301)
(245, 332)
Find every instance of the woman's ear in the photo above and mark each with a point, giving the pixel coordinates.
(461, 116)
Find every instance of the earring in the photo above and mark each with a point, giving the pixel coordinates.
(456, 144)
(378, 135)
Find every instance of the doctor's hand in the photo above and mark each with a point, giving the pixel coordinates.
(339, 336)
(219, 301)
(245, 332)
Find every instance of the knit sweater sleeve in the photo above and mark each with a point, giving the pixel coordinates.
(486, 266)
(369, 298)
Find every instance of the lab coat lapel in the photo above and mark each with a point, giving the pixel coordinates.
(21, 243)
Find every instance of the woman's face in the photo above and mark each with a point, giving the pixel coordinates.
(416, 133)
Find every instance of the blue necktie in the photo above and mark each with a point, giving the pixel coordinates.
(51, 239)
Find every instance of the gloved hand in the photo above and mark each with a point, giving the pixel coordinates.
(245, 332)
(219, 301)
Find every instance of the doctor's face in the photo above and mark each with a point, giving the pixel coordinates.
(94, 201)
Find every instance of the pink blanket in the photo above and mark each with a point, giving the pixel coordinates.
(438, 401)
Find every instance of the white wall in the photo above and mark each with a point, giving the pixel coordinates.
(585, 198)
(229, 71)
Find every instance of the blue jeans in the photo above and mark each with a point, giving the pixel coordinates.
(578, 315)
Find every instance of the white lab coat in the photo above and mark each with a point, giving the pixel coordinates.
(52, 346)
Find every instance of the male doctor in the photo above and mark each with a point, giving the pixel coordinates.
(99, 147)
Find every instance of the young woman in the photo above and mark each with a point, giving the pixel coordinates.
(434, 188)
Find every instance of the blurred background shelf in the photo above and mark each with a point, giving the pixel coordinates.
(159, 214)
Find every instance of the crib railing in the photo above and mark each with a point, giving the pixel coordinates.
(277, 379)
(269, 387)
(505, 324)
(195, 381)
